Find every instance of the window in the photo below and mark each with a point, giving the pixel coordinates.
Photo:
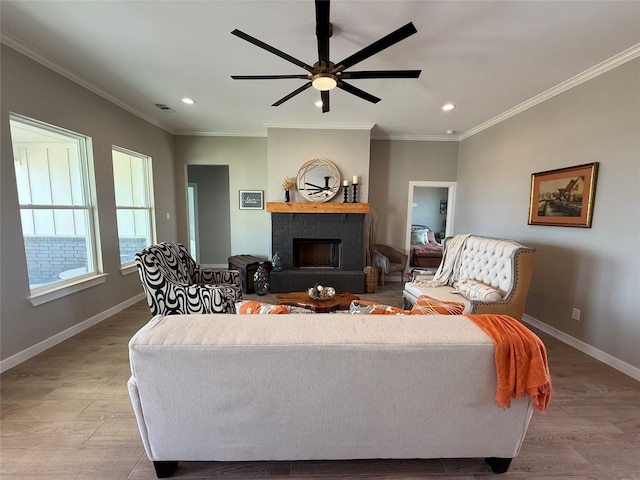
(133, 185)
(57, 209)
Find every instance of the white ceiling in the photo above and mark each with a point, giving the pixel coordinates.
(490, 58)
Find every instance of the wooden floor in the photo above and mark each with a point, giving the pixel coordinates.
(66, 414)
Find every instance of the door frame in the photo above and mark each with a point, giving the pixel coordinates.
(451, 196)
(194, 208)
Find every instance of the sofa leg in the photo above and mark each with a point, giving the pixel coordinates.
(165, 469)
(498, 465)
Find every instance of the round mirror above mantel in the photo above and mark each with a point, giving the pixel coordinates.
(318, 180)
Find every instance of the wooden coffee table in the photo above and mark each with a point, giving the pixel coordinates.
(340, 301)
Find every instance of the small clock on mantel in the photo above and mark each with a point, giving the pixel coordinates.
(318, 180)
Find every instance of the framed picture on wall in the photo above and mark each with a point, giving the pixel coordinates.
(251, 199)
(563, 197)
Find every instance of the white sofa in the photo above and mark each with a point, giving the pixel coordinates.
(327, 386)
(491, 275)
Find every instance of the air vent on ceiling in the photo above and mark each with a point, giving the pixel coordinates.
(165, 107)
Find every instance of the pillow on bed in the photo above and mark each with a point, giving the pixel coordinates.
(419, 237)
(477, 291)
(252, 307)
(426, 305)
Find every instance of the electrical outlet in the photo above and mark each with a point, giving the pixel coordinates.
(575, 314)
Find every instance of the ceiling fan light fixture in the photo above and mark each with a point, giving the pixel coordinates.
(324, 81)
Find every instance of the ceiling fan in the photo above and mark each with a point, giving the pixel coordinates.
(325, 75)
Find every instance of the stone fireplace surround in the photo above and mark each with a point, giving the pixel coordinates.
(348, 228)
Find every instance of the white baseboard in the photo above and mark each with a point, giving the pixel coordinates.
(34, 350)
(604, 357)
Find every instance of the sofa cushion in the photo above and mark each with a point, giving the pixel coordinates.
(477, 291)
(253, 307)
(364, 307)
(426, 305)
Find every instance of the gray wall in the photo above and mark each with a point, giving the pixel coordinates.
(30, 89)
(247, 161)
(393, 165)
(290, 148)
(596, 270)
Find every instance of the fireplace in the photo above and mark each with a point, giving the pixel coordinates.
(324, 248)
(316, 253)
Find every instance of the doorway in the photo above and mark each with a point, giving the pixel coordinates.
(192, 217)
(436, 204)
(209, 214)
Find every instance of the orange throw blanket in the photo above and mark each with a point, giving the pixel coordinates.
(521, 361)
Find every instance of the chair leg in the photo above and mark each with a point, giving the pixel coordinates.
(382, 274)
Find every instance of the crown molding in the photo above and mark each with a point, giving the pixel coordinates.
(417, 138)
(34, 54)
(223, 134)
(603, 67)
(321, 126)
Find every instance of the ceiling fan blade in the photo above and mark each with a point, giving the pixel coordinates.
(268, 77)
(323, 30)
(271, 49)
(324, 95)
(379, 45)
(382, 74)
(292, 94)
(357, 92)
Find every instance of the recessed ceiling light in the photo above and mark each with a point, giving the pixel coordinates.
(451, 132)
(188, 101)
(318, 103)
(448, 107)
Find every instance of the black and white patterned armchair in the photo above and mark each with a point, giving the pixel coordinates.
(175, 284)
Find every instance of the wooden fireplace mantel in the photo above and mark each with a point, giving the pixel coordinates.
(317, 207)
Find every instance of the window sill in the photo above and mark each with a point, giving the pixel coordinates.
(128, 269)
(60, 291)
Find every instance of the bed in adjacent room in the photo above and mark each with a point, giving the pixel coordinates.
(425, 251)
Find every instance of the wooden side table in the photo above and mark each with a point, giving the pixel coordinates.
(247, 266)
(340, 301)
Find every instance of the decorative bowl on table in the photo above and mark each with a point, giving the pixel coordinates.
(319, 292)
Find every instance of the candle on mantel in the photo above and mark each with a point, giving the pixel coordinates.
(355, 179)
(345, 183)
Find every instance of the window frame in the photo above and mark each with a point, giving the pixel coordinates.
(129, 266)
(94, 275)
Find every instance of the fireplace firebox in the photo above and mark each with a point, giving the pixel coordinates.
(316, 252)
